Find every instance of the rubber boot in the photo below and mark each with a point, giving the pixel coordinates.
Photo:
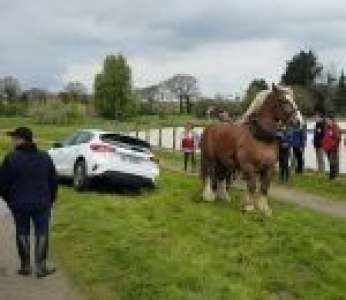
(41, 251)
(23, 247)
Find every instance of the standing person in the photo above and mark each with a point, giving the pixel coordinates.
(331, 142)
(223, 116)
(298, 145)
(285, 142)
(28, 184)
(318, 139)
(189, 145)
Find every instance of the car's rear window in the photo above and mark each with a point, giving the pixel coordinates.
(125, 141)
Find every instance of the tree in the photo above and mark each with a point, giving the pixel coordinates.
(185, 87)
(113, 88)
(340, 97)
(35, 94)
(75, 91)
(10, 88)
(255, 86)
(302, 69)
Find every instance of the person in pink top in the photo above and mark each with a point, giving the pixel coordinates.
(189, 145)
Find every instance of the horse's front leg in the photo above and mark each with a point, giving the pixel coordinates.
(250, 200)
(221, 185)
(265, 178)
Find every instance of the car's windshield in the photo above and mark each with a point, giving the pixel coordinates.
(125, 141)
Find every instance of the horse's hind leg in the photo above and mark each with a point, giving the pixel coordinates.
(263, 205)
(208, 173)
(208, 193)
(221, 188)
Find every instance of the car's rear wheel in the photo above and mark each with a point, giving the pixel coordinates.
(80, 177)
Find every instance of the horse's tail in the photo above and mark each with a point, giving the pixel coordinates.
(204, 155)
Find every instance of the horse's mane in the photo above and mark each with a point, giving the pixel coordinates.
(260, 99)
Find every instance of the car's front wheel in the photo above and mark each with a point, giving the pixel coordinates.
(80, 177)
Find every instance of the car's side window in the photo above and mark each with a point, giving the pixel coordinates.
(83, 138)
(70, 141)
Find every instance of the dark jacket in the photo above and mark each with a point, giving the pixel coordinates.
(298, 137)
(285, 139)
(28, 180)
(319, 133)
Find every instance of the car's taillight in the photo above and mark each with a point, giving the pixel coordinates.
(154, 160)
(101, 148)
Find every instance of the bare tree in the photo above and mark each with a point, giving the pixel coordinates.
(75, 91)
(10, 88)
(185, 87)
(35, 94)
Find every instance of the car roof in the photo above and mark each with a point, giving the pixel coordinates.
(96, 131)
(99, 132)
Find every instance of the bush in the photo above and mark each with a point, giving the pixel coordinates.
(15, 108)
(202, 107)
(55, 112)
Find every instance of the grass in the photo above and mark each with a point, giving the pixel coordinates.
(321, 185)
(165, 244)
(310, 182)
(52, 132)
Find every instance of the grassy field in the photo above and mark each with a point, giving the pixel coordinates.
(317, 184)
(165, 244)
(138, 122)
(309, 182)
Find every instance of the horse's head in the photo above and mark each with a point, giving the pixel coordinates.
(281, 106)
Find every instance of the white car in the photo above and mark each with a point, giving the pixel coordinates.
(89, 154)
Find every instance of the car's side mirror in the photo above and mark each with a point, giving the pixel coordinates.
(57, 145)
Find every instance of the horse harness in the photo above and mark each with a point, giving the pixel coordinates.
(261, 134)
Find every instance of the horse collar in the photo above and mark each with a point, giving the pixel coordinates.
(261, 134)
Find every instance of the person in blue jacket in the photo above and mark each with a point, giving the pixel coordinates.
(298, 145)
(285, 143)
(29, 184)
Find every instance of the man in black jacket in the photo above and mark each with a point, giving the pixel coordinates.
(28, 184)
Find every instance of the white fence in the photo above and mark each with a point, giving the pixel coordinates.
(169, 138)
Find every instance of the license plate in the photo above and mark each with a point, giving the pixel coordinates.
(131, 159)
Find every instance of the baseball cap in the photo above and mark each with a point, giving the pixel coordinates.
(24, 133)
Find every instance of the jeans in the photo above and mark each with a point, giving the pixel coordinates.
(298, 156)
(333, 157)
(320, 160)
(189, 156)
(284, 169)
(40, 220)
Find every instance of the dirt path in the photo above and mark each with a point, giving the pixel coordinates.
(284, 194)
(14, 287)
(321, 204)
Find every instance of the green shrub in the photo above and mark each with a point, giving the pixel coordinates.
(15, 108)
(57, 113)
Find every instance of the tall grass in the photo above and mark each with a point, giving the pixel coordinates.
(57, 113)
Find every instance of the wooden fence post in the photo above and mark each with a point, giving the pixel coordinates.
(174, 138)
(147, 135)
(160, 137)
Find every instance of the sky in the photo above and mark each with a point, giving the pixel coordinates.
(224, 43)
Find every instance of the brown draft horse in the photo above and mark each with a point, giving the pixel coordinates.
(249, 146)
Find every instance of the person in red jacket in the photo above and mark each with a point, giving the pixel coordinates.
(189, 145)
(330, 143)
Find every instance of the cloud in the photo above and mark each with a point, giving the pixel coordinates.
(224, 43)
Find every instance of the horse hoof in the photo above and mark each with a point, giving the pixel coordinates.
(208, 198)
(263, 206)
(225, 198)
(268, 212)
(249, 208)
